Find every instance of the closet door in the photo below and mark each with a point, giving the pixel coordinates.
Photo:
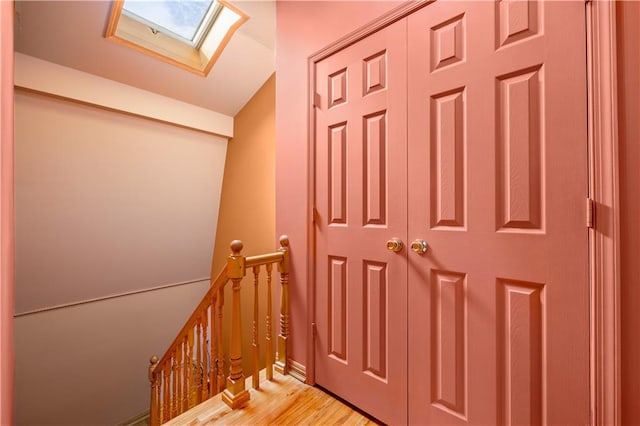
(361, 187)
(499, 304)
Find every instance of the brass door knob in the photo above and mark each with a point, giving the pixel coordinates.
(395, 245)
(419, 246)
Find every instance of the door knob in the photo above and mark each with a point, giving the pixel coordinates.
(395, 245)
(419, 246)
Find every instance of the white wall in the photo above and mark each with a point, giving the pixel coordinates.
(87, 364)
(46, 77)
(106, 203)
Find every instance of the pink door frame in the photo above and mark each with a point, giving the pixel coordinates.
(6, 214)
(604, 236)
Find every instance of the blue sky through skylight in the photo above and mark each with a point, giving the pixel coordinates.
(180, 17)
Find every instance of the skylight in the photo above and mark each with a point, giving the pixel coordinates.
(187, 33)
(183, 19)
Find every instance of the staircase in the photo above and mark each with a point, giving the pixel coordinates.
(194, 368)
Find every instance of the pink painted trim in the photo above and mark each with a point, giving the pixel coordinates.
(6, 214)
(604, 239)
(108, 297)
(310, 368)
(385, 20)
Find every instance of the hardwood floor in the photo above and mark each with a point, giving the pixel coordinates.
(285, 401)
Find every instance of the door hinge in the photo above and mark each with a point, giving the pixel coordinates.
(314, 329)
(591, 213)
(315, 216)
(317, 101)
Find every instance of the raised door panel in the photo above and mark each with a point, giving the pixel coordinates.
(361, 287)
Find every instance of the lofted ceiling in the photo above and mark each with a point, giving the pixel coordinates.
(71, 33)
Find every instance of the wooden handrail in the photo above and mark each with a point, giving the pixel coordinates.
(264, 259)
(192, 369)
(216, 285)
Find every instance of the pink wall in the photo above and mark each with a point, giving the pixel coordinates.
(628, 17)
(6, 213)
(302, 28)
(305, 27)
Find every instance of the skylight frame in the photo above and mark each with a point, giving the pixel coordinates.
(206, 22)
(171, 48)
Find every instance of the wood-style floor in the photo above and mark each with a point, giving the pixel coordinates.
(285, 401)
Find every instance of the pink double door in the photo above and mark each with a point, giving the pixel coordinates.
(460, 129)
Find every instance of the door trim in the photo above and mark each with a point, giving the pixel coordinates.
(7, 216)
(604, 237)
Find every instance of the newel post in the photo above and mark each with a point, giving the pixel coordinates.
(235, 395)
(282, 363)
(154, 411)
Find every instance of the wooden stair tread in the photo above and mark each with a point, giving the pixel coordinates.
(284, 401)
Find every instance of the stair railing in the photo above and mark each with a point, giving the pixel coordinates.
(192, 370)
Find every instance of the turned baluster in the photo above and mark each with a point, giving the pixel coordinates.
(155, 391)
(213, 373)
(204, 390)
(187, 366)
(220, 379)
(268, 342)
(199, 373)
(235, 395)
(166, 416)
(184, 376)
(255, 344)
(282, 364)
(190, 371)
(178, 371)
(161, 405)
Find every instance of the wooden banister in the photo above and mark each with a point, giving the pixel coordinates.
(255, 343)
(219, 282)
(282, 364)
(235, 395)
(269, 356)
(155, 386)
(193, 369)
(264, 259)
